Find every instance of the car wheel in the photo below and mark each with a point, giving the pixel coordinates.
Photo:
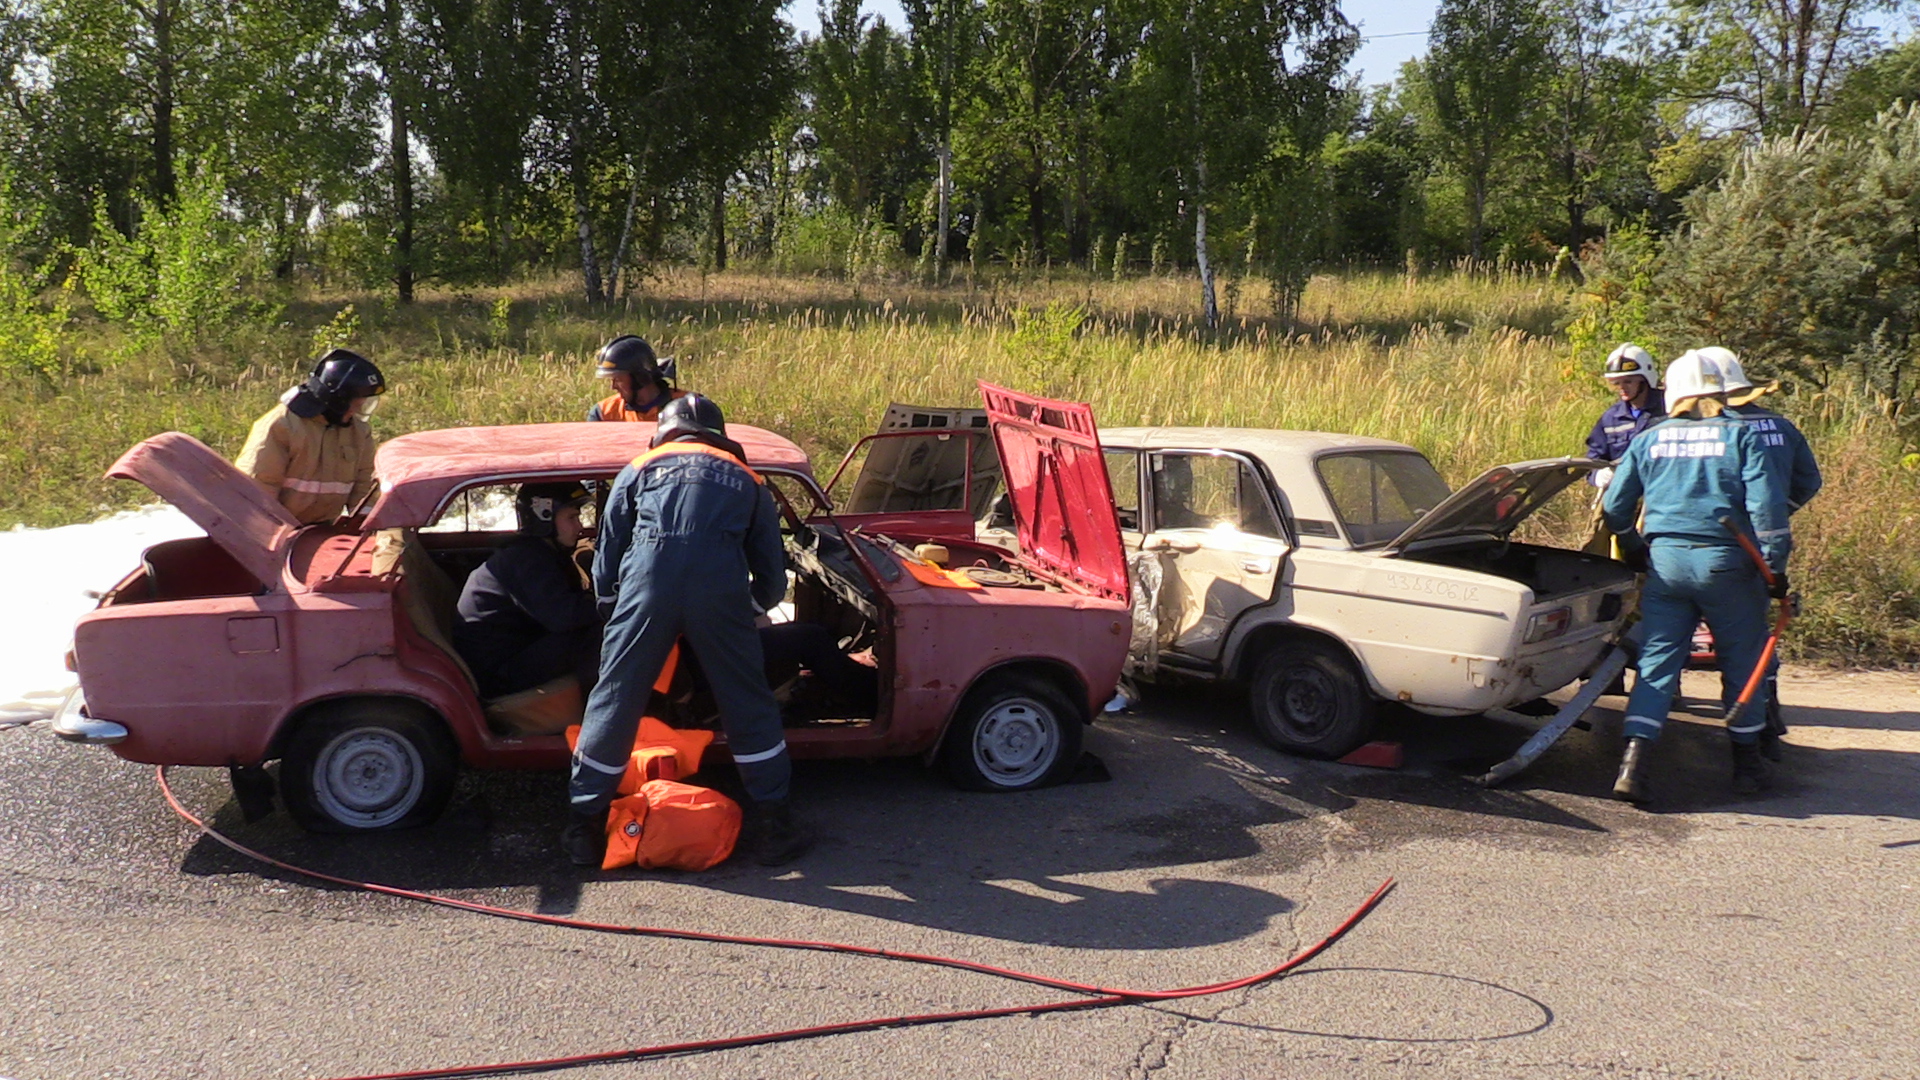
(1013, 732)
(367, 765)
(1307, 699)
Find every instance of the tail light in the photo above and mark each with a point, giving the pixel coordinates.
(1547, 624)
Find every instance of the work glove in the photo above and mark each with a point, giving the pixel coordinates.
(1603, 477)
(1780, 587)
(1636, 558)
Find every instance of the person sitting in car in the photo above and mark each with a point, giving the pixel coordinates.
(526, 615)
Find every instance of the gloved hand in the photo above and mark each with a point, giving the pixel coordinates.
(1603, 477)
(1636, 558)
(1780, 587)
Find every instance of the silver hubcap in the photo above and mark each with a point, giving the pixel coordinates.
(1017, 742)
(368, 778)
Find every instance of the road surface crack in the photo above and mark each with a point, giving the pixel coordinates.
(1157, 1052)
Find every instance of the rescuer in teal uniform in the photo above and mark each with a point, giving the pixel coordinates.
(1791, 458)
(689, 543)
(1695, 468)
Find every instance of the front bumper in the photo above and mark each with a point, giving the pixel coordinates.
(74, 725)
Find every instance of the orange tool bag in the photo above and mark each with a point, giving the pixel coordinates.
(670, 825)
(658, 822)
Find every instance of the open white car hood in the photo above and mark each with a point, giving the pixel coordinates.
(1495, 502)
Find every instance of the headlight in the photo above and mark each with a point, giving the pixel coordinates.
(1548, 624)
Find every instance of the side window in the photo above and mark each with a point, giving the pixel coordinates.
(1203, 491)
(485, 509)
(1256, 513)
(1123, 476)
(1378, 494)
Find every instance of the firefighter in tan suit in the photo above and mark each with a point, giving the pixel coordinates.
(314, 451)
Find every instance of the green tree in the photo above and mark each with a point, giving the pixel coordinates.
(1771, 68)
(946, 42)
(1806, 259)
(1486, 63)
(864, 107)
(479, 83)
(1221, 90)
(1597, 117)
(1891, 76)
(1041, 79)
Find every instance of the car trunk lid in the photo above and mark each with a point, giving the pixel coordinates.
(235, 512)
(1057, 481)
(1494, 503)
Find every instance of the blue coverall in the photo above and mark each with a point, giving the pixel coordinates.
(1691, 473)
(1617, 426)
(689, 542)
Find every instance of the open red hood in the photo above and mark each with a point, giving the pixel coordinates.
(1057, 481)
(236, 513)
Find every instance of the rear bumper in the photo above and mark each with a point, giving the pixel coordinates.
(74, 725)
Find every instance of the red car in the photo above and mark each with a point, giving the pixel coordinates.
(326, 647)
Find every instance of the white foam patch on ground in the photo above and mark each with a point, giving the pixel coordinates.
(45, 575)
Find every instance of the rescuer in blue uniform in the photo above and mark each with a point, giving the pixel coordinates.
(689, 543)
(1691, 470)
(1791, 459)
(525, 615)
(1630, 372)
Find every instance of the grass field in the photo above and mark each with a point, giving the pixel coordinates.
(1470, 369)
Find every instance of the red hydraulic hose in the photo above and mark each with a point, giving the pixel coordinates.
(1102, 996)
(1780, 625)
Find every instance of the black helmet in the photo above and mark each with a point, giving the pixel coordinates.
(632, 355)
(538, 504)
(629, 354)
(699, 419)
(338, 379)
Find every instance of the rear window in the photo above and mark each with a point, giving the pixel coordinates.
(1379, 493)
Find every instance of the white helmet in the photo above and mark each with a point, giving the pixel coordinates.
(1692, 376)
(1729, 365)
(1629, 360)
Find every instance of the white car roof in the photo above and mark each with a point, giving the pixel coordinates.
(1288, 456)
(1261, 441)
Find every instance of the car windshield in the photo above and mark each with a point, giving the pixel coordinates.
(1378, 493)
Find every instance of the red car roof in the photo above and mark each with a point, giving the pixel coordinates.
(420, 472)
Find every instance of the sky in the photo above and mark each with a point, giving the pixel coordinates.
(1393, 31)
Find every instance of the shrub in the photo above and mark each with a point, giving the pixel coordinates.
(30, 327)
(1043, 347)
(182, 273)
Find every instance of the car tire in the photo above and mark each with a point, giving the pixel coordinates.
(1012, 732)
(1307, 699)
(365, 766)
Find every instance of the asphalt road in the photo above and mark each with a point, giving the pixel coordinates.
(1541, 930)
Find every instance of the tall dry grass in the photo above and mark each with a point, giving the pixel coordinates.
(1469, 369)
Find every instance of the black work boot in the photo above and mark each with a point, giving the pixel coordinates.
(585, 839)
(774, 835)
(1628, 785)
(1770, 745)
(1751, 775)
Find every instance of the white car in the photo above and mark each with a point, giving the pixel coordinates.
(1328, 572)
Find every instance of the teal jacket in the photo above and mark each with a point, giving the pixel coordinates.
(1690, 474)
(1787, 449)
